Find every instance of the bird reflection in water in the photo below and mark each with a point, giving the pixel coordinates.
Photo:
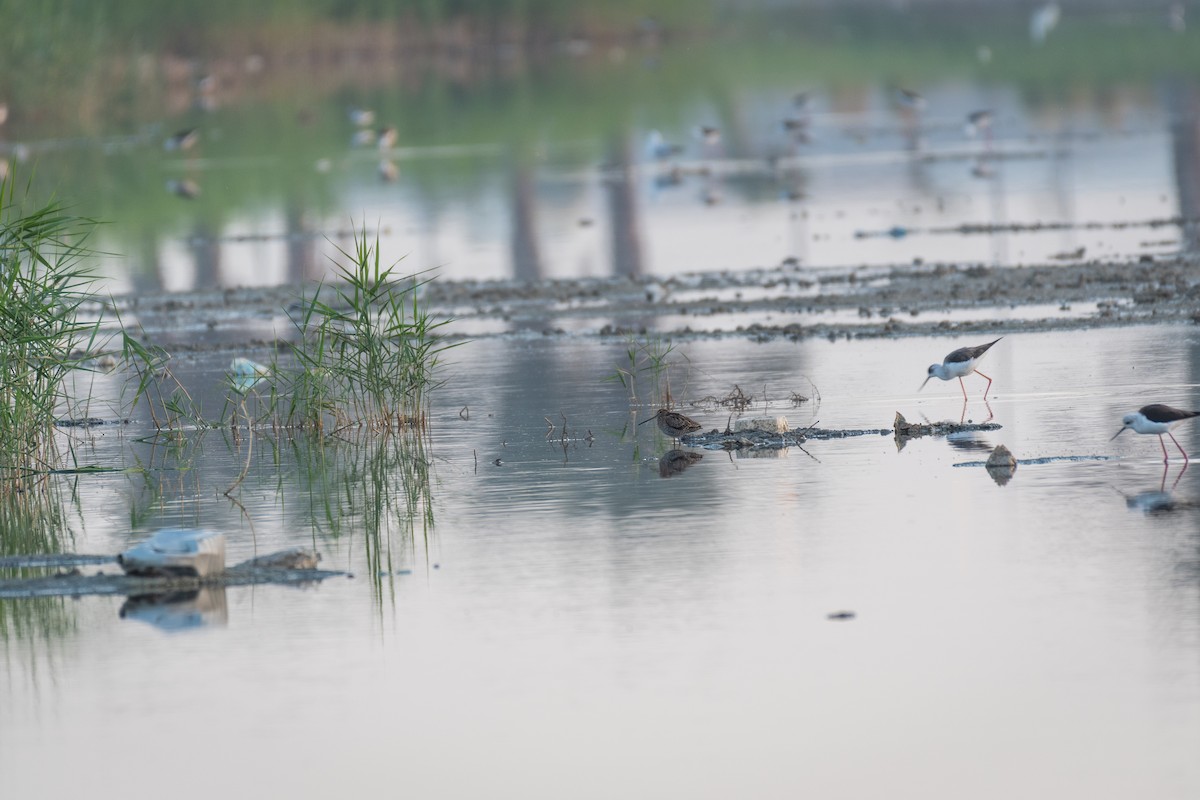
(676, 461)
(1161, 500)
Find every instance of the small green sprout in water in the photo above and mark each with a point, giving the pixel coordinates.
(648, 358)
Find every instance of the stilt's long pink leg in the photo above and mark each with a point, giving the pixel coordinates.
(1163, 445)
(1176, 441)
(963, 386)
(985, 389)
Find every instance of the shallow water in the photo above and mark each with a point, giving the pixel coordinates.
(536, 613)
(574, 624)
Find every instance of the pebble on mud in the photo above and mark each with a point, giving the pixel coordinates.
(1001, 465)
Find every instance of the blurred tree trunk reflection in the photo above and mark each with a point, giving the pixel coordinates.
(526, 255)
(301, 249)
(206, 250)
(1183, 108)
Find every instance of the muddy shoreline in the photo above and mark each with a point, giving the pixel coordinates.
(787, 301)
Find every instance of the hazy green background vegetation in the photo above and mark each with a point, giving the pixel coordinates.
(94, 87)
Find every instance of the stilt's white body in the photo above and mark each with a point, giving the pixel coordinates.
(954, 369)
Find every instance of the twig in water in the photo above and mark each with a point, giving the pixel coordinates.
(736, 399)
(249, 449)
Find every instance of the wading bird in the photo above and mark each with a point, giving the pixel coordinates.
(674, 424)
(1157, 419)
(960, 364)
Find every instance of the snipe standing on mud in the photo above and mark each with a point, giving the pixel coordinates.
(1159, 419)
(674, 424)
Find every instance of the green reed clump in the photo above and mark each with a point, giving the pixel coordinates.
(42, 335)
(650, 359)
(368, 349)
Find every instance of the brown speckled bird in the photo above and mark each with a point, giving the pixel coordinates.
(673, 424)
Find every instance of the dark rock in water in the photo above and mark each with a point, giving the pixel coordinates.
(904, 430)
(1001, 465)
(294, 558)
(1001, 457)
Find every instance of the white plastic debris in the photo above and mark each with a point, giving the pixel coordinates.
(176, 551)
(244, 374)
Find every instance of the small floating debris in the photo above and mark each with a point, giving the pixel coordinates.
(841, 615)
(1070, 255)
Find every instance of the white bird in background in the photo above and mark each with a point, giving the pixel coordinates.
(1042, 21)
(182, 140)
(361, 117)
(978, 121)
(659, 149)
(1177, 17)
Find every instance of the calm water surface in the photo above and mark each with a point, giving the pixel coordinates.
(573, 624)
